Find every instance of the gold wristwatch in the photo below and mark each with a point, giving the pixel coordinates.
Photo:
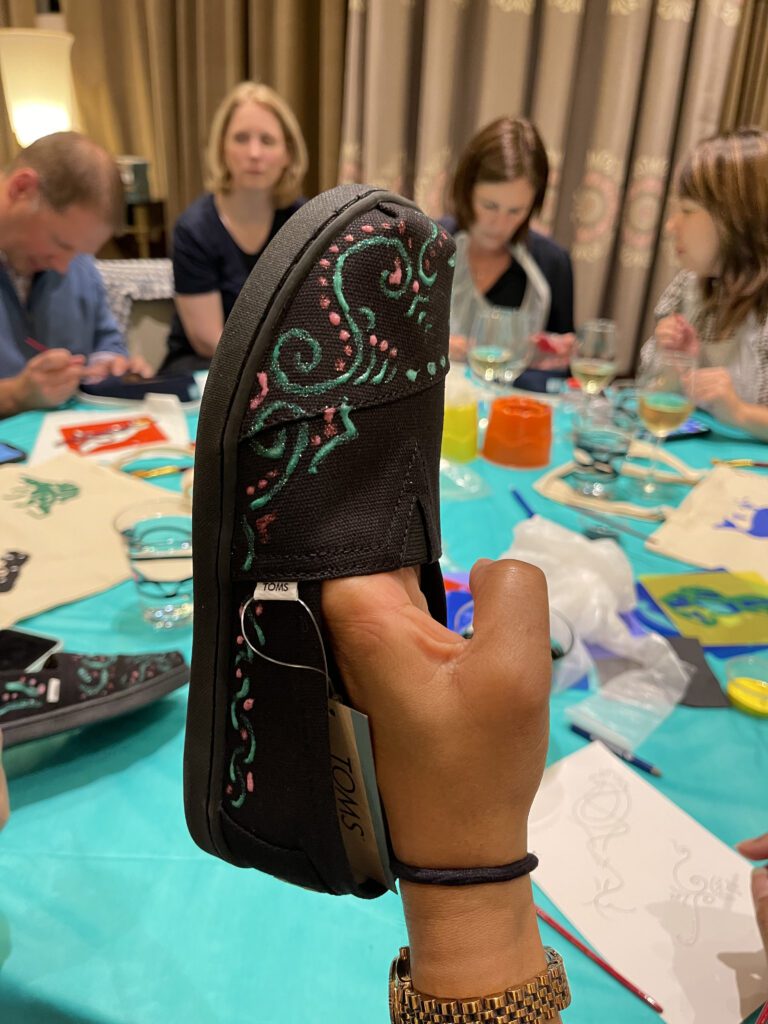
(531, 1002)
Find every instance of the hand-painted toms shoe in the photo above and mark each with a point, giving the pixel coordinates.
(317, 457)
(79, 689)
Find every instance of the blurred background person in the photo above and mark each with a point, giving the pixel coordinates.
(256, 162)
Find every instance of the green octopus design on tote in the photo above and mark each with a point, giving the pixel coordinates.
(39, 497)
(366, 359)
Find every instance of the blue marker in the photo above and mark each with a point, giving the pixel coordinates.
(625, 755)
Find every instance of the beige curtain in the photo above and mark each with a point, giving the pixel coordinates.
(746, 100)
(619, 89)
(150, 73)
(13, 14)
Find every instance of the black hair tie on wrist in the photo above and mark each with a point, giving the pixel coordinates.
(464, 876)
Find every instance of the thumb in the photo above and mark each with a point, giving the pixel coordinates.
(511, 613)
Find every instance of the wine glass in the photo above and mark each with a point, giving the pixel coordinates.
(500, 344)
(665, 399)
(594, 365)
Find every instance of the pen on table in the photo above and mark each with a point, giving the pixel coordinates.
(625, 755)
(611, 521)
(35, 344)
(740, 463)
(763, 1018)
(649, 1000)
(522, 502)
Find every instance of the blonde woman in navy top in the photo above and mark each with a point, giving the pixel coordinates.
(256, 162)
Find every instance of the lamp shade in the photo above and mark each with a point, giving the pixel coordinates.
(37, 82)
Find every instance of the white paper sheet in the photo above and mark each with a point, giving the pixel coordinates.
(665, 902)
(164, 413)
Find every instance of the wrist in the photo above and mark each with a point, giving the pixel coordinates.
(12, 396)
(472, 939)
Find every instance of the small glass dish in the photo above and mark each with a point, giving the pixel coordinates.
(747, 682)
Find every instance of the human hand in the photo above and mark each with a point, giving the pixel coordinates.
(712, 388)
(757, 849)
(553, 351)
(675, 332)
(49, 379)
(457, 348)
(459, 726)
(103, 366)
(5, 806)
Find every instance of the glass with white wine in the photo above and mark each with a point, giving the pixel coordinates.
(665, 398)
(500, 345)
(594, 363)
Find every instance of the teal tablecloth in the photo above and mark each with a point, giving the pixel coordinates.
(109, 914)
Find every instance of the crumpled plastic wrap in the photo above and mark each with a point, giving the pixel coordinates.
(590, 582)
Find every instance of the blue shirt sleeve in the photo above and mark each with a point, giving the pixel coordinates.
(106, 334)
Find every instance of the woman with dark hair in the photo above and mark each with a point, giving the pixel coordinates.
(499, 185)
(717, 306)
(256, 162)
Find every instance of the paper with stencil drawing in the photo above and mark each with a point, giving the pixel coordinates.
(665, 902)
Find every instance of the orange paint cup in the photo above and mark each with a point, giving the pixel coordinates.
(519, 432)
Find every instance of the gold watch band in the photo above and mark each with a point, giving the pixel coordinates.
(536, 1000)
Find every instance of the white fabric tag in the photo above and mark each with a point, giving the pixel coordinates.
(276, 592)
(54, 688)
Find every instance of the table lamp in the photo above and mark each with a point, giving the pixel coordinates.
(37, 81)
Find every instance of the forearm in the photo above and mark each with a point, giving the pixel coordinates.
(754, 420)
(472, 940)
(11, 397)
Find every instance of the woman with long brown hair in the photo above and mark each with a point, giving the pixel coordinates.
(717, 306)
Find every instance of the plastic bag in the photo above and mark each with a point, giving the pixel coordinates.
(590, 582)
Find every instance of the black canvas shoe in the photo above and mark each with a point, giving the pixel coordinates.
(73, 690)
(317, 457)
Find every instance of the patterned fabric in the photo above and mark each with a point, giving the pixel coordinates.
(127, 281)
(745, 355)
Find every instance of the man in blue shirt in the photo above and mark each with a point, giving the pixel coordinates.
(60, 200)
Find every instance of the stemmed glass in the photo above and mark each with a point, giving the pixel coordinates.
(500, 345)
(665, 399)
(594, 365)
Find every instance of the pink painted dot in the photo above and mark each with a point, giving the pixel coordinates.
(386, 225)
(238, 673)
(239, 641)
(271, 474)
(316, 440)
(347, 350)
(330, 430)
(259, 608)
(401, 227)
(384, 346)
(410, 243)
(229, 790)
(334, 318)
(344, 335)
(325, 302)
(41, 687)
(248, 703)
(392, 353)
(340, 365)
(349, 238)
(333, 248)
(426, 264)
(325, 263)
(6, 696)
(249, 782)
(323, 282)
(250, 489)
(243, 734)
(262, 484)
(328, 413)
(415, 286)
(367, 228)
(373, 340)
